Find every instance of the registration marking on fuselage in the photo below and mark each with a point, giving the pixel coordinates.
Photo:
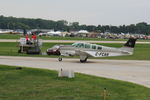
(101, 54)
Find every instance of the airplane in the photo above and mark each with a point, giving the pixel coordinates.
(86, 50)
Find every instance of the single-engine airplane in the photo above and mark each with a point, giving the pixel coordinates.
(86, 50)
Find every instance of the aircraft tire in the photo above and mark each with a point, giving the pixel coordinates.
(59, 59)
(82, 61)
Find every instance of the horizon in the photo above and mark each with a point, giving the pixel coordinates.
(89, 12)
(76, 21)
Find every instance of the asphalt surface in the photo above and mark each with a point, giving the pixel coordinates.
(128, 70)
(72, 41)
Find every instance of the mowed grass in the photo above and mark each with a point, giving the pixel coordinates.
(39, 84)
(141, 52)
(10, 36)
(18, 36)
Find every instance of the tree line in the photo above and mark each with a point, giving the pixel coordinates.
(63, 25)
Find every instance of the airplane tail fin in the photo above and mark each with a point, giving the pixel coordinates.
(129, 45)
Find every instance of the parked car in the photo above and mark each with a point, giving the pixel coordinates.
(53, 51)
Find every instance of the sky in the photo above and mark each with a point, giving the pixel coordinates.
(90, 12)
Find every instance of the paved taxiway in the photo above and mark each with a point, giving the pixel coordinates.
(128, 70)
(72, 41)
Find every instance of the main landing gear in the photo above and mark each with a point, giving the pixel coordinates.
(83, 61)
(60, 59)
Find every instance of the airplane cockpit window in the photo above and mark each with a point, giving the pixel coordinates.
(75, 44)
(80, 45)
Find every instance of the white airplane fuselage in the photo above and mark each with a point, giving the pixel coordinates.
(104, 52)
(85, 50)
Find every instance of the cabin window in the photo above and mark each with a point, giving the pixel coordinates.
(99, 48)
(81, 45)
(93, 46)
(87, 45)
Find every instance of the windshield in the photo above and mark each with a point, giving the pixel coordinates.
(80, 45)
(55, 47)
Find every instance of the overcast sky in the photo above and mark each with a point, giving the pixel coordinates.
(91, 12)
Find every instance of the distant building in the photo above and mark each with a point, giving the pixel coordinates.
(82, 33)
(5, 31)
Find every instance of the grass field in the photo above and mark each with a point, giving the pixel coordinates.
(39, 84)
(17, 36)
(10, 36)
(142, 51)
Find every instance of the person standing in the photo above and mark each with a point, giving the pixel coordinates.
(27, 39)
(34, 37)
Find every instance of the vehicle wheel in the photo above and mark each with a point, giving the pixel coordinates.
(58, 53)
(27, 52)
(39, 52)
(19, 51)
(48, 53)
(59, 59)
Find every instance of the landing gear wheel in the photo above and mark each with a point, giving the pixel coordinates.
(59, 59)
(82, 61)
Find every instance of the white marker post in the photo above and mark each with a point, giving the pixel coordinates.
(66, 73)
